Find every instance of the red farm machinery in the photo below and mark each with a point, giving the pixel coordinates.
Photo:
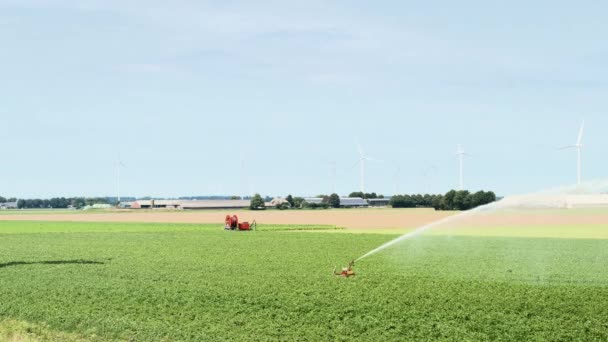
(232, 223)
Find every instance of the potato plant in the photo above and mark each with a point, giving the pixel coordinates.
(111, 281)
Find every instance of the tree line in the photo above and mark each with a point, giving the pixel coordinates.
(327, 201)
(60, 202)
(5, 200)
(363, 195)
(452, 200)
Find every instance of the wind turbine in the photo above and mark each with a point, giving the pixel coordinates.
(361, 162)
(579, 147)
(461, 154)
(119, 165)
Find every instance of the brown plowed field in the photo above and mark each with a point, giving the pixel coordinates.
(518, 218)
(353, 219)
(364, 220)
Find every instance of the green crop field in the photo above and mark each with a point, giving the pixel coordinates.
(145, 282)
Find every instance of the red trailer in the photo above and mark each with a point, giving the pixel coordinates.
(232, 223)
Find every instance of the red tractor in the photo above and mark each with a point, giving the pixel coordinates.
(232, 223)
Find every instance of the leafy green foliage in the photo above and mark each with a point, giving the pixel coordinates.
(198, 282)
(290, 200)
(334, 201)
(60, 202)
(298, 202)
(11, 330)
(309, 205)
(257, 203)
(359, 194)
(452, 200)
(283, 206)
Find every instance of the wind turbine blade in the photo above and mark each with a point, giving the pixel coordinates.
(580, 134)
(357, 163)
(374, 160)
(360, 149)
(567, 147)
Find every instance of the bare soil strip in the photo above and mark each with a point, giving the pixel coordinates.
(385, 219)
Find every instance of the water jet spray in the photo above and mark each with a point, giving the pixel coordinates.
(426, 227)
(588, 194)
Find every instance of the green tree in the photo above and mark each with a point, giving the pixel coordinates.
(478, 199)
(290, 200)
(334, 201)
(448, 200)
(257, 203)
(373, 195)
(489, 197)
(298, 202)
(462, 200)
(78, 202)
(397, 201)
(437, 202)
(357, 194)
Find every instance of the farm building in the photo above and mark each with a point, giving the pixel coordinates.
(314, 200)
(98, 206)
(125, 205)
(189, 205)
(8, 205)
(353, 202)
(276, 202)
(378, 202)
(345, 202)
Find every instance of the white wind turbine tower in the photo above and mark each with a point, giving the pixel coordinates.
(461, 154)
(119, 165)
(579, 147)
(361, 162)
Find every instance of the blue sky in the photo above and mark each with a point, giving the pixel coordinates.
(189, 91)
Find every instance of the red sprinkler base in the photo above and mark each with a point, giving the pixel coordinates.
(346, 271)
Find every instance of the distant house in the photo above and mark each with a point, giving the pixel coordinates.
(353, 202)
(345, 202)
(215, 204)
(101, 206)
(8, 205)
(125, 205)
(314, 200)
(277, 201)
(190, 205)
(378, 202)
